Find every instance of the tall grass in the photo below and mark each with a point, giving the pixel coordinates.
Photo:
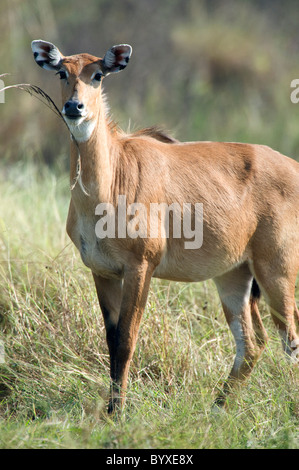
(55, 378)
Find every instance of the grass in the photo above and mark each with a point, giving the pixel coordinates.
(55, 378)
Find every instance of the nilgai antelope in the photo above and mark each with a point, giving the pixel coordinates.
(250, 218)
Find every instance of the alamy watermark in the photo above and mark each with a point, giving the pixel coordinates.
(154, 220)
(294, 96)
(2, 92)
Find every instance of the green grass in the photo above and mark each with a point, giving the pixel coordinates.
(55, 380)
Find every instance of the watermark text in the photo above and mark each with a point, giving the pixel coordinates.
(2, 92)
(155, 220)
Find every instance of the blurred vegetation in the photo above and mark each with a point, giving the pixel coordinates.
(206, 69)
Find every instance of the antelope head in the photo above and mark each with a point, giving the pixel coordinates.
(81, 77)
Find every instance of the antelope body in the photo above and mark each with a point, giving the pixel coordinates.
(250, 196)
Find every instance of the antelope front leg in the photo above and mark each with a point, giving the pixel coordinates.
(135, 290)
(109, 294)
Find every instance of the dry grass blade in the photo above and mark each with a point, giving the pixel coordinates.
(42, 96)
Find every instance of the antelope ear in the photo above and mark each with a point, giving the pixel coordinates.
(117, 58)
(46, 55)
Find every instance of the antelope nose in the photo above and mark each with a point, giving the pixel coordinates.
(73, 109)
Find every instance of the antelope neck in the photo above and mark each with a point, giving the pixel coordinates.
(95, 155)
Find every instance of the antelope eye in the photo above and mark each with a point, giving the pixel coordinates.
(98, 77)
(62, 74)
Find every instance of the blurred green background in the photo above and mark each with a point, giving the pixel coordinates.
(204, 69)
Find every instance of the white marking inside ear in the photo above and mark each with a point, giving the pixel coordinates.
(36, 46)
(38, 51)
(109, 58)
(46, 54)
(55, 56)
(117, 58)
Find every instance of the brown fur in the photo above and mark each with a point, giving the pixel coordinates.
(250, 196)
(156, 133)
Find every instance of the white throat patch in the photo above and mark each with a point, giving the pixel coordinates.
(81, 130)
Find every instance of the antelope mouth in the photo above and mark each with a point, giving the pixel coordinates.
(73, 117)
